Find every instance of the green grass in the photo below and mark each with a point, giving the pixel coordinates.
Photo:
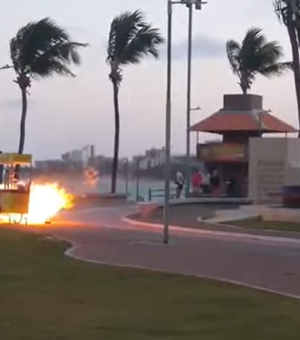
(257, 223)
(45, 296)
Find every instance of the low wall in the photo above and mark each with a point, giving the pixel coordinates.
(281, 214)
(274, 213)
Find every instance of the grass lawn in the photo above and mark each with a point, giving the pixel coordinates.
(47, 296)
(257, 223)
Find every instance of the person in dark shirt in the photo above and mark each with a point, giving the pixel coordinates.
(215, 183)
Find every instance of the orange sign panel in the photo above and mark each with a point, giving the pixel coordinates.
(222, 152)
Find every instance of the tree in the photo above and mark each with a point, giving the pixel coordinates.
(288, 12)
(39, 50)
(255, 56)
(131, 38)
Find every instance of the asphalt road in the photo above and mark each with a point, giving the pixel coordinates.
(100, 235)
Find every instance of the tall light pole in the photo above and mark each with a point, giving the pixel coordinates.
(126, 163)
(198, 108)
(137, 175)
(198, 5)
(190, 4)
(168, 126)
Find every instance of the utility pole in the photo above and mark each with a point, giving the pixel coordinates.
(189, 4)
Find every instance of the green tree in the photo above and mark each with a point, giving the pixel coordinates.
(255, 55)
(131, 38)
(288, 12)
(39, 50)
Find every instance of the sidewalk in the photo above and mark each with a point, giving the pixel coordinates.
(212, 218)
(222, 231)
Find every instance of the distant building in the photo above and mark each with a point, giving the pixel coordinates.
(52, 165)
(151, 159)
(74, 156)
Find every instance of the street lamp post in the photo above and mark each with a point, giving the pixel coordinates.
(190, 4)
(198, 108)
(168, 126)
(198, 5)
(188, 99)
(126, 163)
(137, 174)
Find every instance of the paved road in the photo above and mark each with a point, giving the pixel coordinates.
(100, 235)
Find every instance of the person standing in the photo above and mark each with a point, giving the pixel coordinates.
(179, 181)
(196, 182)
(215, 182)
(206, 183)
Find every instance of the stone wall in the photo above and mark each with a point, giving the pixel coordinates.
(273, 163)
(242, 102)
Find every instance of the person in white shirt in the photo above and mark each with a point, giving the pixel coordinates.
(179, 181)
(206, 183)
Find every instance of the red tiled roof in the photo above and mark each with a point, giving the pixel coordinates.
(254, 120)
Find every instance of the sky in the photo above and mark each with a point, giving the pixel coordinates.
(68, 113)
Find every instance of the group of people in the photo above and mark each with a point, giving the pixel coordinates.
(201, 183)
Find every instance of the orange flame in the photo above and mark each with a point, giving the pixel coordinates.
(45, 202)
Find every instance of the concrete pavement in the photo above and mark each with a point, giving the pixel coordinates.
(100, 235)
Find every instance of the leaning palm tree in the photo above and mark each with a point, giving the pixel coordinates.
(131, 38)
(288, 12)
(255, 56)
(39, 50)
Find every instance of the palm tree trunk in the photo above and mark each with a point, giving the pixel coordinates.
(296, 65)
(117, 138)
(23, 121)
(244, 83)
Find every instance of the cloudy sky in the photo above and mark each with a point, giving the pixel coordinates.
(69, 113)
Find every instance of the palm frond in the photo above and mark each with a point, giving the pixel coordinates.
(267, 55)
(42, 48)
(131, 38)
(254, 36)
(251, 45)
(63, 54)
(146, 42)
(276, 70)
(122, 30)
(233, 50)
(255, 56)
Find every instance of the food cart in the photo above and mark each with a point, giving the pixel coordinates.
(15, 183)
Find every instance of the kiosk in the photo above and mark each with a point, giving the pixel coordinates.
(241, 118)
(16, 178)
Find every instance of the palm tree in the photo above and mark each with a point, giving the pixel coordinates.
(131, 38)
(255, 56)
(288, 12)
(39, 50)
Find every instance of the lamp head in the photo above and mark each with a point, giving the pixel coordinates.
(187, 2)
(198, 5)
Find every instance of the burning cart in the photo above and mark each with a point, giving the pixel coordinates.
(15, 183)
